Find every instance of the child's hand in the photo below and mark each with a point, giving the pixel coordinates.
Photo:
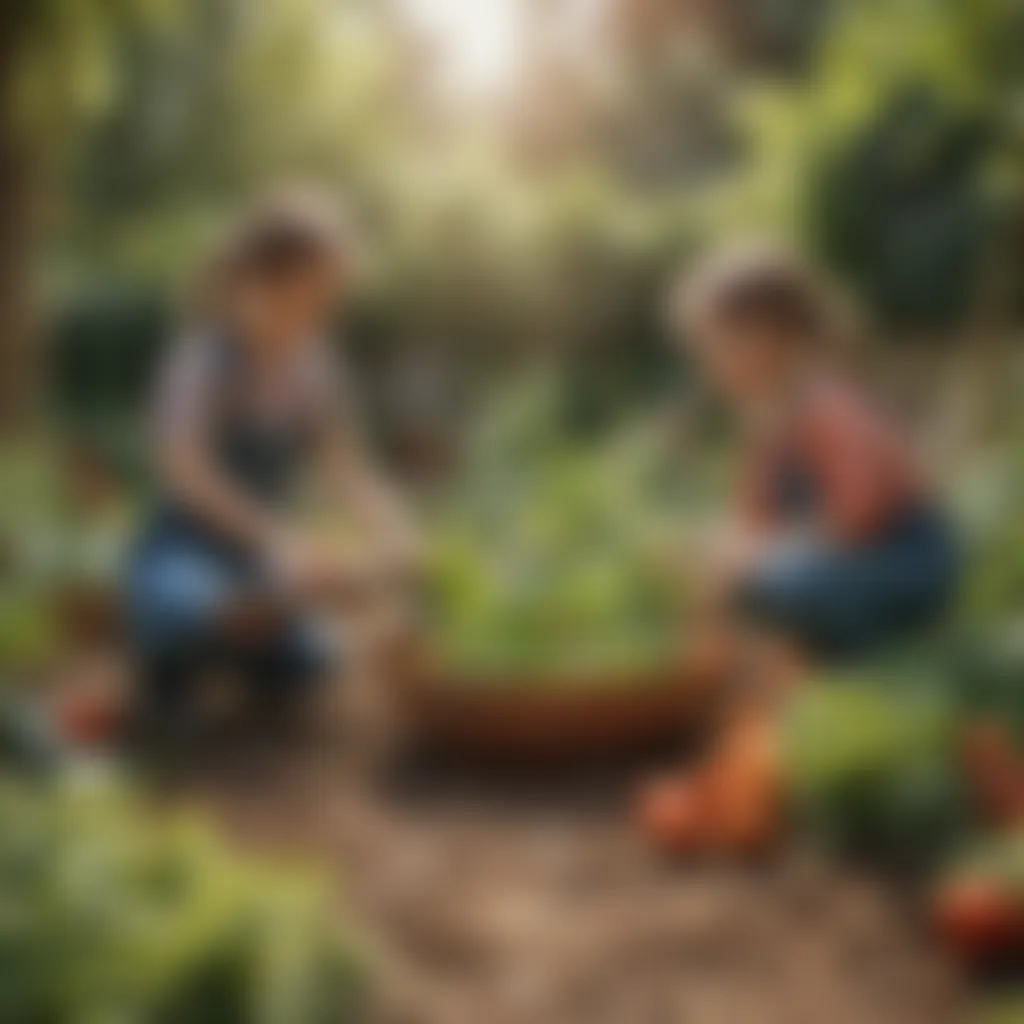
(305, 571)
(724, 559)
(405, 556)
(393, 556)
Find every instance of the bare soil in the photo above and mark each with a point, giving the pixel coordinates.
(489, 899)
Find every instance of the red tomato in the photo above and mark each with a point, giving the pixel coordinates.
(88, 719)
(978, 919)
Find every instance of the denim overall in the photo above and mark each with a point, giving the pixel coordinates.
(184, 577)
(848, 601)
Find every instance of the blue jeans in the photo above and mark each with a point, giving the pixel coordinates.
(180, 593)
(850, 601)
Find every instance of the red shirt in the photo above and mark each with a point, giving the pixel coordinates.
(860, 469)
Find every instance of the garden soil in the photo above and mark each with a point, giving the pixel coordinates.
(499, 899)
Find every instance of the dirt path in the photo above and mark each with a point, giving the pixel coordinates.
(491, 901)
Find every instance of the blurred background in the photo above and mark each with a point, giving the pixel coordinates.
(525, 178)
(563, 159)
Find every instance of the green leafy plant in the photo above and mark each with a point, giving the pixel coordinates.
(110, 915)
(550, 561)
(876, 771)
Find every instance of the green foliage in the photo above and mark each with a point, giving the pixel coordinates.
(549, 558)
(56, 551)
(104, 350)
(894, 154)
(29, 634)
(875, 771)
(987, 673)
(1005, 1008)
(900, 208)
(64, 68)
(995, 581)
(899, 159)
(999, 859)
(110, 915)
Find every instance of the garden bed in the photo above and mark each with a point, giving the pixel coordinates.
(523, 720)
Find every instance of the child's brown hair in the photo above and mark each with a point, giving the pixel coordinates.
(288, 233)
(763, 283)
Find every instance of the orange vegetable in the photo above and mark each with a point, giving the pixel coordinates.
(673, 815)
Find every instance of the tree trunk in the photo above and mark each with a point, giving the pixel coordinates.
(18, 209)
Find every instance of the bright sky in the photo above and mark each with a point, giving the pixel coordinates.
(480, 41)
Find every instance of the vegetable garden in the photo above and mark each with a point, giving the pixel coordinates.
(447, 838)
(553, 569)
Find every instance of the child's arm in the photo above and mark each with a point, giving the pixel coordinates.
(184, 414)
(360, 487)
(732, 551)
(353, 479)
(862, 467)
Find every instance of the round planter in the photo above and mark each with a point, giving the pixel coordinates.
(549, 719)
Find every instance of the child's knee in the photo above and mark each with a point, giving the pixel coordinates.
(176, 602)
(810, 599)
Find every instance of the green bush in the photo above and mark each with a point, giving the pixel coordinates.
(108, 915)
(874, 771)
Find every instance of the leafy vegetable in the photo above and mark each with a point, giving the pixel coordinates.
(876, 770)
(28, 632)
(550, 559)
(107, 915)
(1007, 1008)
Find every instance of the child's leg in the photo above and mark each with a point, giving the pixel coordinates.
(797, 606)
(732, 800)
(179, 597)
(289, 662)
(750, 666)
(839, 602)
(818, 599)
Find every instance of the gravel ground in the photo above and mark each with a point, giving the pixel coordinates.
(507, 901)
